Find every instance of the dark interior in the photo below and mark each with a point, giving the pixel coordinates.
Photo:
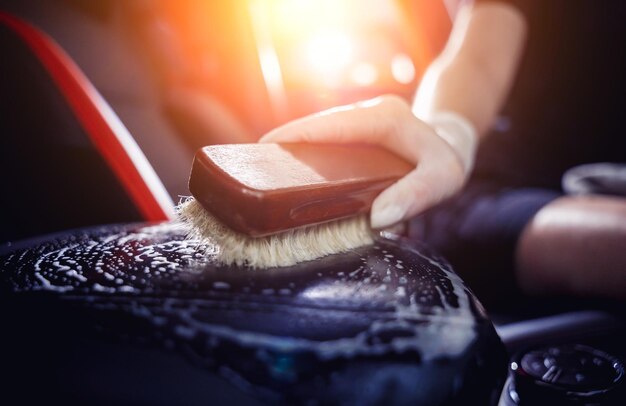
(55, 180)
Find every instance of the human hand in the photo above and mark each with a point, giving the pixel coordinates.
(442, 152)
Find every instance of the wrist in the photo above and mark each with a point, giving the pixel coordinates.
(459, 133)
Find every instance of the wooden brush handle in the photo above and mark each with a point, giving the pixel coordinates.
(261, 189)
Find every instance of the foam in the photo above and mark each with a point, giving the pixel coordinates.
(284, 249)
(434, 312)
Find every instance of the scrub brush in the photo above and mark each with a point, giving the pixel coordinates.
(270, 205)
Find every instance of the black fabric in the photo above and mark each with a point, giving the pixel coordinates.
(567, 104)
(52, 176)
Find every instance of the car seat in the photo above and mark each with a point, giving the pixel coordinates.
(66, 159)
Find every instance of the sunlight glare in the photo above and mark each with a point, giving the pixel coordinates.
(402, 68)
(329, 52)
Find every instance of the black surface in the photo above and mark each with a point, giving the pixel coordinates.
(102, 316)
(565, 374)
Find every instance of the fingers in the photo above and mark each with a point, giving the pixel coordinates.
(389, 122)
(438, 175)
(430, 183)
(364, 122)
(386, 121)
(320, 127)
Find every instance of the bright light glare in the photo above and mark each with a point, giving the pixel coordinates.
(331, 291)
(402, 68)
(270, 68)
(331, 44)
(329, 52)
(364, 74)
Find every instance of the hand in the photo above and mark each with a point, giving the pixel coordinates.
(442, 165)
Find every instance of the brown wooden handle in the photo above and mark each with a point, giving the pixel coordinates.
(261, 189)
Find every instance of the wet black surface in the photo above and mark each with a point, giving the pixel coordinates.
(386, 323)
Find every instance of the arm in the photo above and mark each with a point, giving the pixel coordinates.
(474, 73)
(456, 102)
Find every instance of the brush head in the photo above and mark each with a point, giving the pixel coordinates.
(291, 247)
(263, 189)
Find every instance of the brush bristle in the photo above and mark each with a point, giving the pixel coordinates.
(284, 249)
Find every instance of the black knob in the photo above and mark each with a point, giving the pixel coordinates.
(567, 374)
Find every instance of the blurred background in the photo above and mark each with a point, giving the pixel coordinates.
(182, 74)
(214, 72)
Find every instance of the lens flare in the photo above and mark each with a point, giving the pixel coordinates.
(329, 52)
(402, 68)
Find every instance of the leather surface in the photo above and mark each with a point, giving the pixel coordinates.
(389, 323)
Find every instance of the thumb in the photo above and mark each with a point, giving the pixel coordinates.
(419, 190)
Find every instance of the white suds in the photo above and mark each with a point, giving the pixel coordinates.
(284, 249)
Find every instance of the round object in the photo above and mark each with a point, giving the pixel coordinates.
(388, 323)
(565, 374)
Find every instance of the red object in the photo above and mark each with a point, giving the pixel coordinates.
(261, 189)
(98, 120)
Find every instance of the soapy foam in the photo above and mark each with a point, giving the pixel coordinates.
(113, 257)
(435, 320)
(284, 249)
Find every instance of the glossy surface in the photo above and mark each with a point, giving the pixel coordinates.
(564, 374)
(261, 189)
(383, 323)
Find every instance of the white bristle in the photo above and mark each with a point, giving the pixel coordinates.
(283, 249)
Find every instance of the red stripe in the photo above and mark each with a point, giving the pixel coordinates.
(79, 94)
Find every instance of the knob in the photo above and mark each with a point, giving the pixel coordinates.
(566, 374)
